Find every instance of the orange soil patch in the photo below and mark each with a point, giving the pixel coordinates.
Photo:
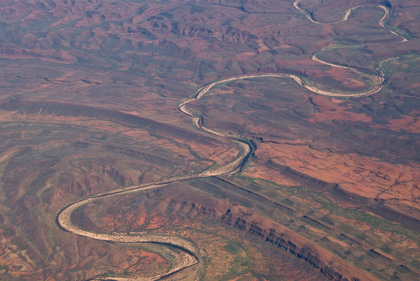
(325, 102)
(140, 220)
(366, 176)
(149, 255)
(409, 124)
(343, 115)
(157, 222)
(329, 109)
(339, 74)
(262, 47)
(140, 134)
(263, 172)
(353, 84)
(108, 220)
(244, 55)
(107, 126)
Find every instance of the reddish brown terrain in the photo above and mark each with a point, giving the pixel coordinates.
(312, 173)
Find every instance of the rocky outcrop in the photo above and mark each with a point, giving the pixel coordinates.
(301, 178)
(342, 196)
(190, 210)
(391, 214)
(332, 267)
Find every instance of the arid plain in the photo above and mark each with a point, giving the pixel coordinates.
(209, 140)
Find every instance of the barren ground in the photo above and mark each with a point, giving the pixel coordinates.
(326, 94)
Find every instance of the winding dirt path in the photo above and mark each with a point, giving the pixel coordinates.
(189, 256)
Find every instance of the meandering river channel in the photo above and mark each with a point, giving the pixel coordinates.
(189, 256)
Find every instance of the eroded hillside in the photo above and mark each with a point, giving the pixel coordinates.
(161, 120)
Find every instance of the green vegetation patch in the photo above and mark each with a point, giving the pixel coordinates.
(233, 247)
